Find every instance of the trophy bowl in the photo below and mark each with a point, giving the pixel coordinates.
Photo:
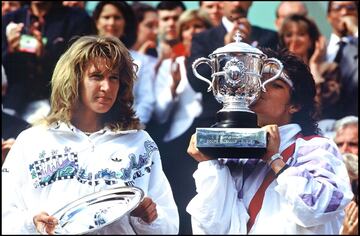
(94, 211)
(237, 80)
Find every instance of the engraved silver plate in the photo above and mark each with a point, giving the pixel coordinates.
(231, 137)
(96, 210)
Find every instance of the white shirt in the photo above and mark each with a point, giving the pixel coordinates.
(333, 45)
(144, 98)
(186, 105)
(48, 168)
(307, 198)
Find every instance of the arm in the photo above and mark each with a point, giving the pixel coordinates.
(164, 98)
(316, 187)
(16, 218)
(159, 190)
(216, 209)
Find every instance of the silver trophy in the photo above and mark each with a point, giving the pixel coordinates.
(237, 78)
(92, 212)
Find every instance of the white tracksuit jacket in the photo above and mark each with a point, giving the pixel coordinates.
(49, 167)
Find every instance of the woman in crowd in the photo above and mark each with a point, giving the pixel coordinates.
(147, 29)
(116, 18)
(299, 186)
(90, 141)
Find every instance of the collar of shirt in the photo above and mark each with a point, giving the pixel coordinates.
(287, 134)
(66, 127)
(227, 24)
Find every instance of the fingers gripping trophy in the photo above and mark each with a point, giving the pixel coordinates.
(238, 74)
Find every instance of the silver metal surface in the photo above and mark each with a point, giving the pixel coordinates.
(96, 210)
(237, 74)
(231, 137)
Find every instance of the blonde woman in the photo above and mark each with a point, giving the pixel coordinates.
(93, 134)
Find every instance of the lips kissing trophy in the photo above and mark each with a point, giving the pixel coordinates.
(237, 72)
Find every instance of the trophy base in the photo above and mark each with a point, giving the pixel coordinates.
(231, 142)
(236, 119)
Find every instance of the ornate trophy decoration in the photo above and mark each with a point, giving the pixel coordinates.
(236, 82)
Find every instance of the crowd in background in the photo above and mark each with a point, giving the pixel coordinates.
(163, 42)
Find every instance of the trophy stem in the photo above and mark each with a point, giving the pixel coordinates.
(236, 119)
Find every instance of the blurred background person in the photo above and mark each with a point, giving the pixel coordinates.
(33, 38)
(116, 18)
(301, 36)
(11, 125)
(79, 4)
(147, 29)
(351, 221)
(213, 9)
(343, 49)
(177, 105)
(9, 6)
(346, 138)
(346, 134)
(286, 8)
(168, 41)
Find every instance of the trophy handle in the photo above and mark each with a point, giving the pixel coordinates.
(195, 64)
(279, 71)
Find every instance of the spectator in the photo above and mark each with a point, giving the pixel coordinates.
(328, 92)
(79, 4)
(169, 13)
(91, 103)
(241, 196)
(33, 38)
(346, 134)
(147, 30)
(9, 6)
(176, 107)
(301, 36)
(213, 9)
(11, 125)
(343, 49)
(286, 8)
(114, 18)
(204, 43)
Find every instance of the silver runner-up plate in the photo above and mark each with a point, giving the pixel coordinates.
(94, 211)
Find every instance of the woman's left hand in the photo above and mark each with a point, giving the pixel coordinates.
(273, 137)
(146, 210)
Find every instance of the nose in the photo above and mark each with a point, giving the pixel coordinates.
(105, 84)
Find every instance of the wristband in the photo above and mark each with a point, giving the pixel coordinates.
(274, 157)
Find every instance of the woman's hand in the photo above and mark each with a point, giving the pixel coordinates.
(45, 223)
(194, 151)
(146, 210)
(273, 138)
(317, 58)
(350, 224)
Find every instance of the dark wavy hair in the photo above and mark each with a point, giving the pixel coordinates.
(305, 23)
(304, 91)
(130, 31)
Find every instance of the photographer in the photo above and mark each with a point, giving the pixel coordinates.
(33, 38)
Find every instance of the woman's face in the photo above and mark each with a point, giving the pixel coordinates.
(189, 29)
(273, 106)
(111, 22)
(98, 88)
(148, 28)
(297, 39)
